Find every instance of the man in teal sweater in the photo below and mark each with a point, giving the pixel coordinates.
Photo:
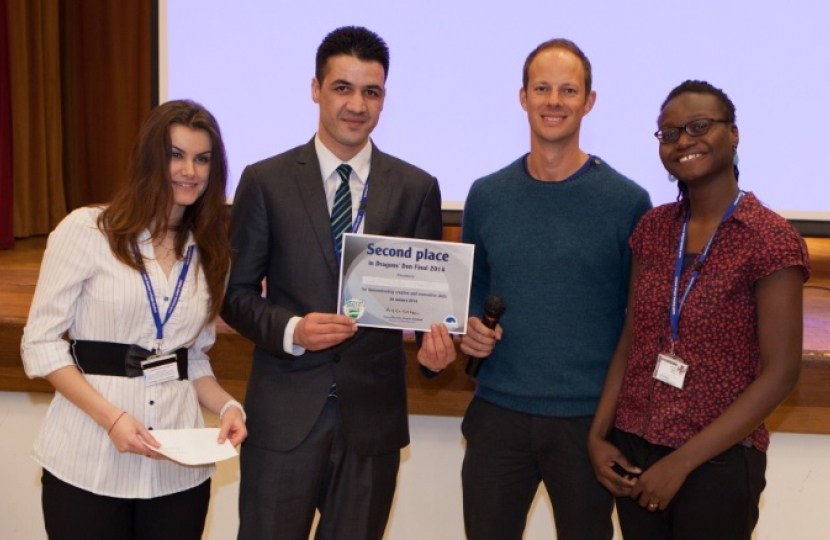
(551, 236)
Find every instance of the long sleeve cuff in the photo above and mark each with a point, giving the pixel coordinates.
(288, 339)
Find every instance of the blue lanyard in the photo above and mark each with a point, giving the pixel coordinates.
(678, 268)
(177, 292)
(361, 211)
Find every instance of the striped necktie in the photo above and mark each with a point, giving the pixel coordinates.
(341, 211)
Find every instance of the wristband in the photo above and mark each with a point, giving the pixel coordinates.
(233, 403)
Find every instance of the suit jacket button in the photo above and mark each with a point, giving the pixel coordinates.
(336, 358)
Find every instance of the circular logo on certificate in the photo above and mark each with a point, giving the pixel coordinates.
(354, 308)
(450, 322)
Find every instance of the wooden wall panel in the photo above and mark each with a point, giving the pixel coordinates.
(807, 410)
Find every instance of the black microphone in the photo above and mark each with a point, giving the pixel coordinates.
(494, 308)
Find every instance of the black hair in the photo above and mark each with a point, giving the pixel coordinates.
(354, 41)
(703, 87)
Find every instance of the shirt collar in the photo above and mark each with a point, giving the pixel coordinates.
(592, 160)
(745, 212)
(360, 163)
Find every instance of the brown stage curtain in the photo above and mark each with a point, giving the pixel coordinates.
(80, 87)
(6, 230)
(34, 55)
(106, 89)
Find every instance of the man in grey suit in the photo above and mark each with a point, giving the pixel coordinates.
(326, 401)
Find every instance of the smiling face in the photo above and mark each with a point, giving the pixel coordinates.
(555, 98)
(190, 153)
(692, 159)
(350, 97)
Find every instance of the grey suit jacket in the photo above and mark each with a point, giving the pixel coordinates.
(280, 230)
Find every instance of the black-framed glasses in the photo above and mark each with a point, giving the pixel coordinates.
(695, 128)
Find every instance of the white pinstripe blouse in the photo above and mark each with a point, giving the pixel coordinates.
(85, 290)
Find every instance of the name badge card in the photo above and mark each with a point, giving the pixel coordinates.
(404, 283)
(671, 370)
(160, 368)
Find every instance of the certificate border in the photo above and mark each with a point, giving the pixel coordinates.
(351, 251)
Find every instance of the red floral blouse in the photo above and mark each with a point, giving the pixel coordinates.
(717, 332)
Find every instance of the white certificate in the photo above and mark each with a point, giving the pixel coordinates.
(404, 283)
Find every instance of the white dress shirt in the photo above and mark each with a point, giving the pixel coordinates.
(361, 164)
(85, 290)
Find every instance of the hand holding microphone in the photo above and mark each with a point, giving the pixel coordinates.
(494, 307)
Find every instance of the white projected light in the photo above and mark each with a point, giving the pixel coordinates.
(452, 105)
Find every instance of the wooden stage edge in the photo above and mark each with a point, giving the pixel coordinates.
(807, 410)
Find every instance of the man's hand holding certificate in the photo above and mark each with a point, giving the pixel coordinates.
(404, 283)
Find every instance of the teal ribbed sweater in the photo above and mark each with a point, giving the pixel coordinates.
(558, 254)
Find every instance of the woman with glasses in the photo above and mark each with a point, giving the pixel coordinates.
(137, 285)
(711, 344)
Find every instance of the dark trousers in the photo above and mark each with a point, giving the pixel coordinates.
(508, 454)
(72, 513)
(280, 491)
(718, 501)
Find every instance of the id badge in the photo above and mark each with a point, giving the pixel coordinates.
(671, 370)
(160, 368)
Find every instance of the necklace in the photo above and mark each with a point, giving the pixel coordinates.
(168, 247)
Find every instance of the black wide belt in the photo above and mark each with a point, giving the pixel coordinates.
(118, 359)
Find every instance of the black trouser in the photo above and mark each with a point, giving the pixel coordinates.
(718, 501)
(280, 491)
(508, 454)
(72, 513)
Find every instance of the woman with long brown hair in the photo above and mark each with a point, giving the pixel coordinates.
(137, 285)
